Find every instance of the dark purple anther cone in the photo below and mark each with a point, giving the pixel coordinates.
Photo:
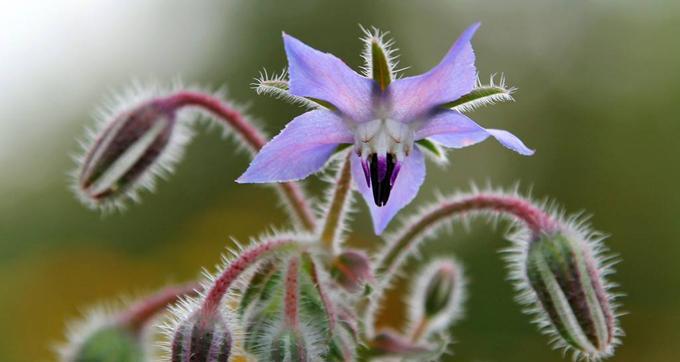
(383, 171)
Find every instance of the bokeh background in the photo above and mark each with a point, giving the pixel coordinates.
(599, 85)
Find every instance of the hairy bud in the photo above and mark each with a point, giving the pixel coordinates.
(108, 342)
(566, 287)
(133, 146)
(351, 269)
(202, 338)
(443, 288)
(437, 298)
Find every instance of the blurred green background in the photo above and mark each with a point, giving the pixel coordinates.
(599, 84)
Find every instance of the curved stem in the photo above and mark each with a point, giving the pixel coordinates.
(252, 137)
(245, 259)
(535, 219)
(337, 206)
(395, 253)
(139, 314)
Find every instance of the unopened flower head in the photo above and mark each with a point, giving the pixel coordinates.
(438, 295)
(562, 278)
(382, 117)
(98, 337)
(202, 339)
(136, 142)
(351, 269)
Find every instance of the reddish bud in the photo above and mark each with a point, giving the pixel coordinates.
(351, 269)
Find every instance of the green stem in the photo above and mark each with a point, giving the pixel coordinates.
(336, 209)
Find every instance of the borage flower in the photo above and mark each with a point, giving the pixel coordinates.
(382, 117)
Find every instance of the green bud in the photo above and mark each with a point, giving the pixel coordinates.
(109, 344)
(570, 293)
(440, 288)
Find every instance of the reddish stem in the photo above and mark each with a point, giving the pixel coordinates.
(245, 259)
(253, 137)
(137, 316)
(534, 218)
(291, 303)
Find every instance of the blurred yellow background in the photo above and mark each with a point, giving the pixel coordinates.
(599, 84)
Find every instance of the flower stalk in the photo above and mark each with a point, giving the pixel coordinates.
(138, 315)
(254, 139)
(520, 209)
(337, 207)
(247, 258)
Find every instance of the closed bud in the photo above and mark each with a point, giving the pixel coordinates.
(438, 295)
(567, 288)
(442, 288)
(106, 342)
(132, 148)
(201, 338)
(351, 269)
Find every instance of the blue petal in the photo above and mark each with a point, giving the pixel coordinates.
(510, 141)
(323, 76)
(406, 186)
(453, 77)
(455, 130)
(302, 148)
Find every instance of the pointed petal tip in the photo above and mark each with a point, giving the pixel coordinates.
(378, 229)
(470, 31)
(510, 141)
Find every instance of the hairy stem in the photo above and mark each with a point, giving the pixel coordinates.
(139, 314)
(534, 218)
(420, 329)
(253, 137)
(246, 258)
(291, 302)
(336, 209)
(399, 248)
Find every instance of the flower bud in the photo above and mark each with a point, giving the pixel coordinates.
(201, 338)
(106, 342)
(443, 288)
(566, 286)
(351, 269)
(438, 295)
(127, 153)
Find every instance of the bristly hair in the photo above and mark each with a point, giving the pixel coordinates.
(485, 95)
(374, 35)
(276, 85)
(603, 262)
(77, 331)
(454, 308)
(118, 103)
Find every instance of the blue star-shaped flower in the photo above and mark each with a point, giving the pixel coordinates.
(381, 120)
